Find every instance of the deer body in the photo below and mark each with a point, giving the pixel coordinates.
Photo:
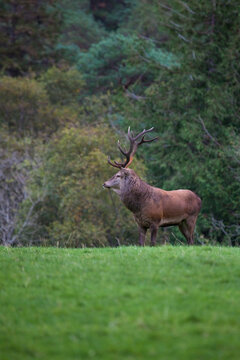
(153, 207)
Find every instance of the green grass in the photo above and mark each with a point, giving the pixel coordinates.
(124, 303)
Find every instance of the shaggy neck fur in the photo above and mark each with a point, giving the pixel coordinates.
(133, 192)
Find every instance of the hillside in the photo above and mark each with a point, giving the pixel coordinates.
(122, 303)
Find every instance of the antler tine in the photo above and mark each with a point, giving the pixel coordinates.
(121, 149)
(130, 134)
(117, 163)
(127, 154)
(143, 133)
(147, 141)
(114, 165)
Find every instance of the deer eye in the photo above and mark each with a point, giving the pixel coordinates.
(118, 175)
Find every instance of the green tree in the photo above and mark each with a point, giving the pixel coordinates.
(111, 13)
(28, 33)
(120, 60)
(24, 107)
(149, 19)
(63, 86)
(79, 30)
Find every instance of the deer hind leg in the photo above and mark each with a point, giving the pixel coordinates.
(153, 230)
(142, 235)
(187, 227)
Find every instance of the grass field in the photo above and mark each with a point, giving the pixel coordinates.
(123, 303)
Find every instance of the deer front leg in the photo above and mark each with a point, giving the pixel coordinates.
(154, 231)
(142, 235)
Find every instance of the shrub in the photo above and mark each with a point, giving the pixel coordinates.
(63, 87)
(25, 107)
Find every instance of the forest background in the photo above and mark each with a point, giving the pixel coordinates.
(75, 74)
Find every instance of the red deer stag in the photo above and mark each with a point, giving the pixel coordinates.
(152, 207)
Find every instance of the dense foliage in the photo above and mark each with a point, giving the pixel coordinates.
(28, 33)
(75, 79)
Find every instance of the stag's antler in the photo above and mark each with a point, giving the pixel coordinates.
(133, 147)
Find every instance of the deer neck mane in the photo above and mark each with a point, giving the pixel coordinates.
(134, 192)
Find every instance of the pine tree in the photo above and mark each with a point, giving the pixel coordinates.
(28, 32)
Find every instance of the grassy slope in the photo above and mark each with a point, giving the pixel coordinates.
(125, 303)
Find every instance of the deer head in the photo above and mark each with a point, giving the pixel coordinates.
(118, 181)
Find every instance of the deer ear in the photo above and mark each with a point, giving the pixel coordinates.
(125, 172)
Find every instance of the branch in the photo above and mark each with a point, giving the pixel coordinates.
(206, 131)
(172, 10)
(134, 96)
(186, 6)
(26, 222)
